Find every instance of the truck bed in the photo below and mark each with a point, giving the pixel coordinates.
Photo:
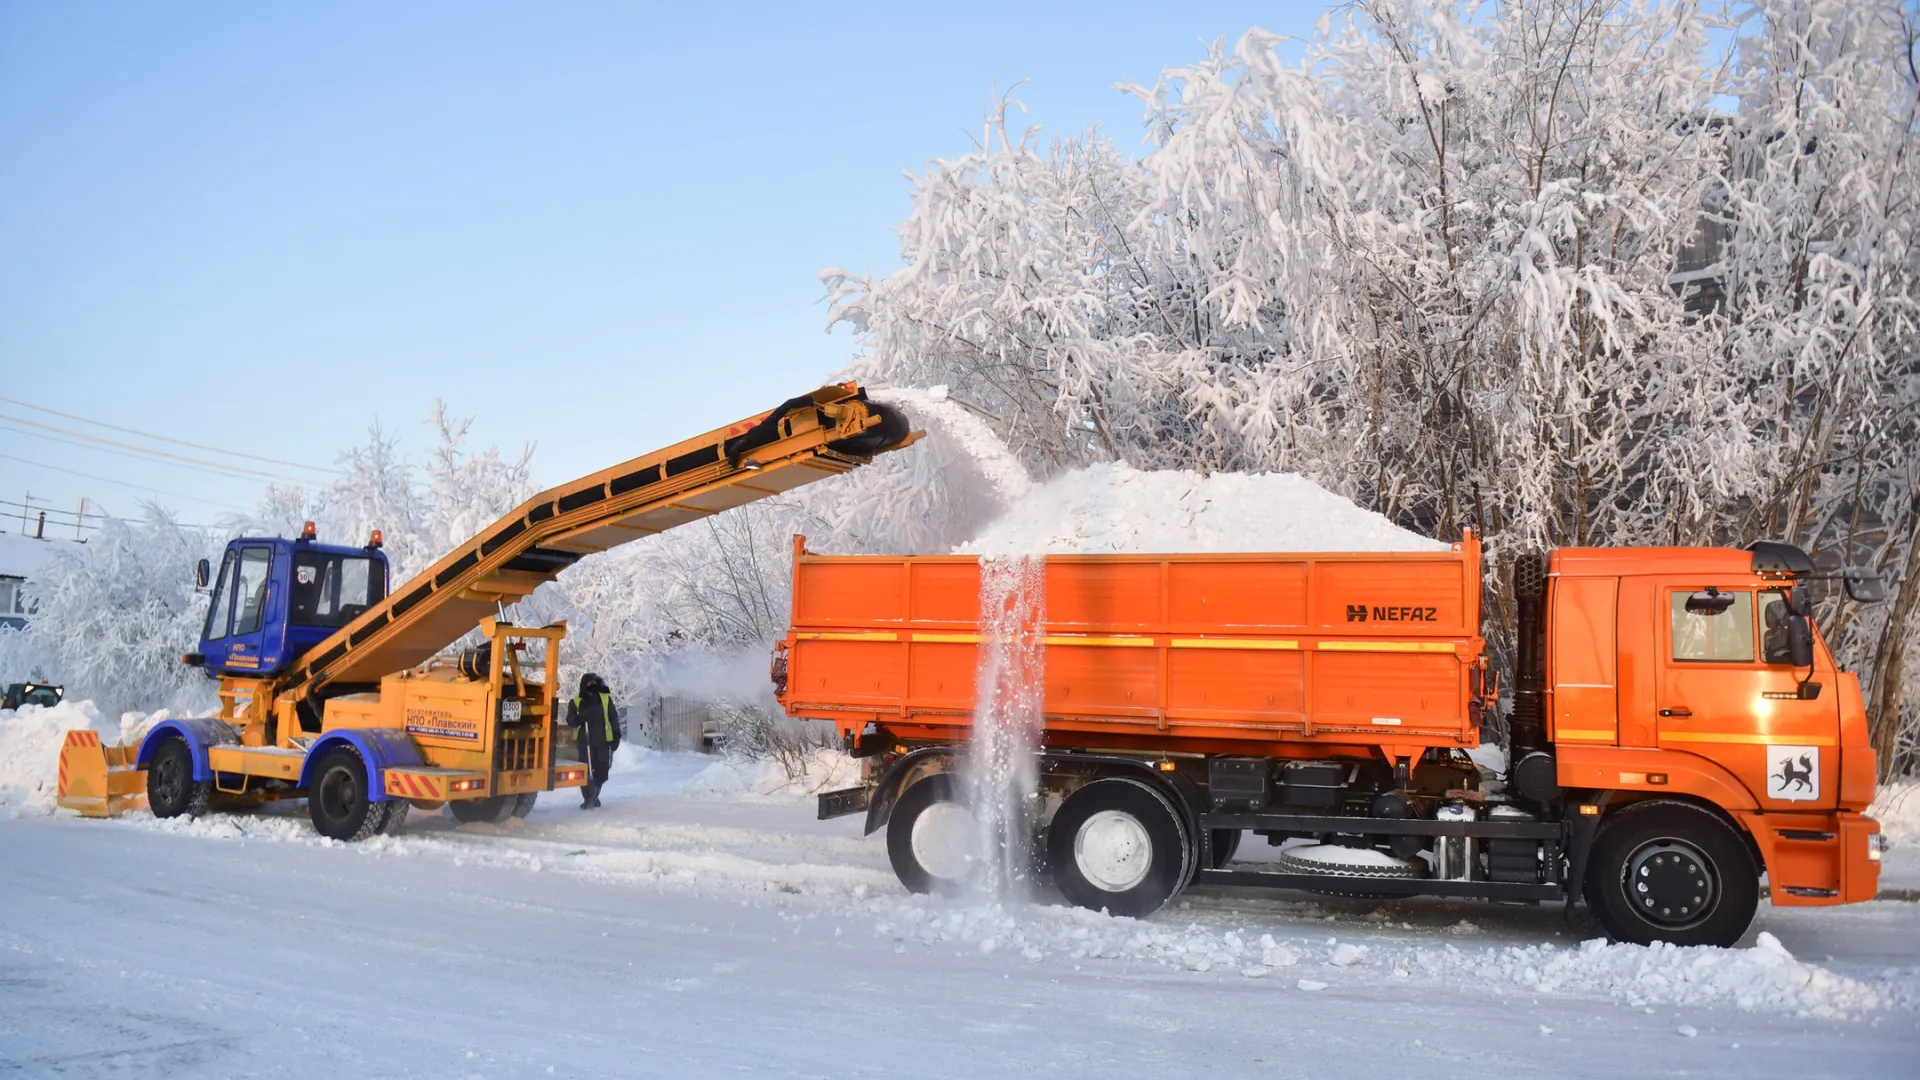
(1259, 653)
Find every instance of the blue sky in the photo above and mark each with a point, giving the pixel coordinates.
(597, 227)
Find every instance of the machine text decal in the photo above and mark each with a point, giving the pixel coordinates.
(442, 723)
(1388, 613)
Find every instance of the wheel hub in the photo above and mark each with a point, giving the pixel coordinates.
(1670, 882)
(944, 837)
(1113, 851)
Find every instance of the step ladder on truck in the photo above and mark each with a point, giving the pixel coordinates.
(335, 689)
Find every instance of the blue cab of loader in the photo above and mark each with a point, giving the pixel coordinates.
(275, 599)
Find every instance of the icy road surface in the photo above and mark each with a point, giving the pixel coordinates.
(693, 928)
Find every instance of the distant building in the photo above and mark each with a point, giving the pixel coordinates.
(21, 557)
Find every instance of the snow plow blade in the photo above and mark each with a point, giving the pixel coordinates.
(99, 780)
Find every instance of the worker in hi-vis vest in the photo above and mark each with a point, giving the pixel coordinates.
(596, 726)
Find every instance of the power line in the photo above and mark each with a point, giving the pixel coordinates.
(214, 471)
(236, 470)
(164, 438)
(124, 484)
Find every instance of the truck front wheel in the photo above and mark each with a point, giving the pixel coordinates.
(1670, 871)
(932, 838)
(339, 803)
(1117, 844)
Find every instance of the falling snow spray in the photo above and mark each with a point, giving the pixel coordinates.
(1008, 692)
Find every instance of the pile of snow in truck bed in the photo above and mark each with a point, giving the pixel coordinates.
(1117, 508)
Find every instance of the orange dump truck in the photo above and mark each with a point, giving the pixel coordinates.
(1678, 728)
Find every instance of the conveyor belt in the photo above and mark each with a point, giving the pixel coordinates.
(830, 431)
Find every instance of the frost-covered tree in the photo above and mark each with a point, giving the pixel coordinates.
(116, 613)
(1576, 272)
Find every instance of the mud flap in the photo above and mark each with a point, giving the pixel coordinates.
(846, 801)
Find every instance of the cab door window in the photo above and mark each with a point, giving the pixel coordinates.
(250, 590)
(222, 596)
(1724, 638)
(1776, 646)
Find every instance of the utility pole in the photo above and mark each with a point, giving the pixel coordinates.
(80, 518)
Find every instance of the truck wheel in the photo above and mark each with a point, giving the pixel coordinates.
(495, 808)
(932, 838)
(1117, 844)
(171, 788)
(1670, 871)
(397, 810)
(338, 801)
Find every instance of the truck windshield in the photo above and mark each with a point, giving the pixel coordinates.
(333, 590)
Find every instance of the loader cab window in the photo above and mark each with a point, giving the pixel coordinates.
(222, 596)
(1725, 637)
(333, 590)
(250, 589)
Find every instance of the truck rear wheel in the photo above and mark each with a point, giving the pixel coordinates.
(496, 808)
(932, 837)
(1670, 871)
(171, 788)
(338, 800)
(1117, 844)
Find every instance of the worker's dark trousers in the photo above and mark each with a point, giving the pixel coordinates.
(599, 759)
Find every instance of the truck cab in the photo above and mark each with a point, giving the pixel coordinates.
(274, 599)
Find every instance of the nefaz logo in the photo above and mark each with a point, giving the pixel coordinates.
(1379, 613)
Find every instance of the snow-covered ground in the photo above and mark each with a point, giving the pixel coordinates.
(704, 924)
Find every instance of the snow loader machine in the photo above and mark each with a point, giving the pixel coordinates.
(335, 689)
(1678, 728)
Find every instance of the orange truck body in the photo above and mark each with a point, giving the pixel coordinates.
(1272, 654)
(1289, 656)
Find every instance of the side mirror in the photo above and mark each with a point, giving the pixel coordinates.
(1863, 585)
(1799, 641)
(1710, 602)
(202, 573)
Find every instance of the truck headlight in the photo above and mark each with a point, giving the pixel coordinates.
(1876, 846)
(510, 711)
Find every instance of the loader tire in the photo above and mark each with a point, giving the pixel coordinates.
(171, 788)
(1664, 870)
(338, 801)
(1118, 845)
(523, 805)
(397, 810)
(495, 809)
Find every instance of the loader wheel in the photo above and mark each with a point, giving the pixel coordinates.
(339, 803)
(523, 805)
(397, 810)
(1670, 871)
(932, 838)
(494, 809)
(171, 788)
(1117, 844)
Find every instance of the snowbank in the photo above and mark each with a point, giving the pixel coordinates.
(1897, 809)
(1117, 508)
(729, 775)
(30, 742)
